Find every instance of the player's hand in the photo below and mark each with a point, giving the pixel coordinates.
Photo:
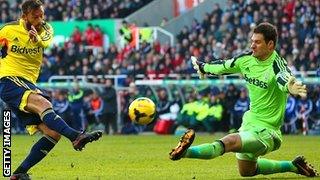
(198, 66)
(296, 87)
(33, 34)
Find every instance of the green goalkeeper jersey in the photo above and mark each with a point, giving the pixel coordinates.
(266, 82)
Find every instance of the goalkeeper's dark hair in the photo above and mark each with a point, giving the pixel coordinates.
(29, 5)
(269, 32)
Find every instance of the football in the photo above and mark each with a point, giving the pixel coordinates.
(142, 111)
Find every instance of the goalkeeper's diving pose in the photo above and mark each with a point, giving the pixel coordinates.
(269, 81)
(22, 44)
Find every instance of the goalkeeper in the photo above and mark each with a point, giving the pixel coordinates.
(269, 81)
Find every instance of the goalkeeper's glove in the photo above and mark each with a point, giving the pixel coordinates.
(198, 66)
(296, 87)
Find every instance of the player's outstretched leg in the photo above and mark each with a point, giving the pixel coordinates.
(202, 151)
(79, 140)
(184, 143)
(85, 138)
(304, 168)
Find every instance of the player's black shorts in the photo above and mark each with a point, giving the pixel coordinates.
(14, 91)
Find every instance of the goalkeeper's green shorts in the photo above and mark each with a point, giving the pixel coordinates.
(257, 141)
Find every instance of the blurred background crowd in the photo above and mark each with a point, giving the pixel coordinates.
(221, 34)
(71, 10)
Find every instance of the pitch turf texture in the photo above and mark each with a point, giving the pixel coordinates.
(146, 157)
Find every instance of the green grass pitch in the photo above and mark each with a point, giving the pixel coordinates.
(146, 157)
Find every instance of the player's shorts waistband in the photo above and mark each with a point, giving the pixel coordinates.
(10, 78)
(20, 81)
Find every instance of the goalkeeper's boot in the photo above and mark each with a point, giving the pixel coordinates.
(20, 176)
(85, 138)
(304, 168)
(184, 143)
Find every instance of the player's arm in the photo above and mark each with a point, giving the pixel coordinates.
(286, 81)
(219, 67)
(46, 35)
(43, 38)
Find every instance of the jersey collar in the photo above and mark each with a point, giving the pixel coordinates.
(269, 60)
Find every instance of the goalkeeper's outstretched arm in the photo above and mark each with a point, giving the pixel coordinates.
(219, 67)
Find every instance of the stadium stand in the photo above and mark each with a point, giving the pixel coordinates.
(221, 34)
(76, 10)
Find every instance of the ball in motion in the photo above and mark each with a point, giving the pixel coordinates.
(142, 111)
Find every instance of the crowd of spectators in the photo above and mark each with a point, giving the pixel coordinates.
(221, 34)
(65, 10)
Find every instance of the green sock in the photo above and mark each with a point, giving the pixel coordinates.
(266, 166)
(205, 151)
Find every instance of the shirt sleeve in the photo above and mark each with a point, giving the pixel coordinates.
(229, 66)
(46, 36)
(282, 73)
(221, 67)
